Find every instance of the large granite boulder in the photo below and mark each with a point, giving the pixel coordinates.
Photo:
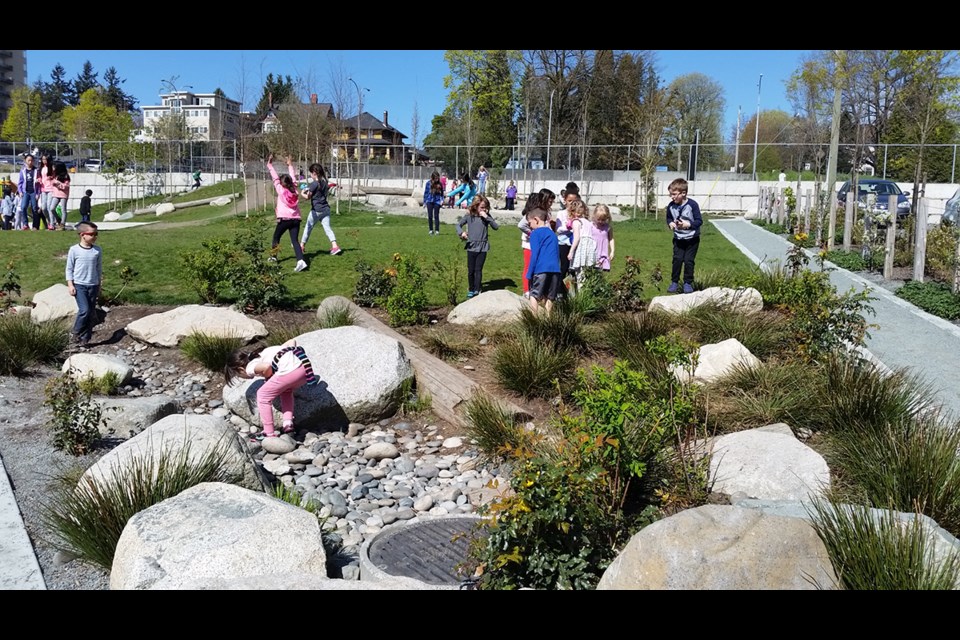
(767, 463)
(715, 361)
(216, 531)
(84, 365)
(362, 374)
(490, 308)
(53, 303)
(165, 207)
(198, 434)
(169, 328)
(717, 547)
(745, 299)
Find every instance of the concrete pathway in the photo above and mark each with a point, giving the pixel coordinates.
(906, 337)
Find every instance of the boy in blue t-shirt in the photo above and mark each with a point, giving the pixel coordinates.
(544, 270)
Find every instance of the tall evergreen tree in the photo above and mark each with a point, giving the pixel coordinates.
(114, 94)
(85, 80)
(275, 91)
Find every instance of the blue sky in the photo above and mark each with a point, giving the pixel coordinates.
(396, 79)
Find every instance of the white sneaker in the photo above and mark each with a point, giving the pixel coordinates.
(301, 265)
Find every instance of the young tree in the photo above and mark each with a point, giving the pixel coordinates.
(95, 119)
(698, 103)
(26, 120)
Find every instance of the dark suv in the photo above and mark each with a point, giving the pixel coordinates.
(880, 188)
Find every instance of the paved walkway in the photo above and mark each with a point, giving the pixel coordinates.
(906, 337)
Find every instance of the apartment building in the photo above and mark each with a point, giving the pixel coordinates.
(207, 116)
(13, 74)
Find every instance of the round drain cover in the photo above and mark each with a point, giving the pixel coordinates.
(428, 550)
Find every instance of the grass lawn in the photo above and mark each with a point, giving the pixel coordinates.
(152, 251)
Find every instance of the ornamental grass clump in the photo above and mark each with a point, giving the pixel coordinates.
(87, 518)
(876, 550)
(210, 350)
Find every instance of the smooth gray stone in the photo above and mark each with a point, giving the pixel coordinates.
(427, 471)
(406, 514)
(338, 511)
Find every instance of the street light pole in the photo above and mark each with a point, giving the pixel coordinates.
(756, 132)
(29, 141)
(549, 128)
(359, 111)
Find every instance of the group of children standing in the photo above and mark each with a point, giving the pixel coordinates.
(41, 192)
(572, 243)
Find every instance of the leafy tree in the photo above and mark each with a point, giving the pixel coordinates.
(85, 80)
(776, 128)
(698, 103)
(29, 123)
(275, 92)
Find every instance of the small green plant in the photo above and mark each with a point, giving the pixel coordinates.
(941, 253)
(412, 401)
(291, 496)
(594, 295)
(450, 273)
(933, 297)
(9, 287)
(76, 419)
(87, 518)
(210, 350)
(334, 316)
(407, 301)
(764, 333)
(530, 367)
(104, 385)
(495, 430)
(627, 335)
(876, 550)
(126, 276)
(627, 290)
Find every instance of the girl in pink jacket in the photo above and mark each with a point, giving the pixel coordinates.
(288, 211)
(59, 192)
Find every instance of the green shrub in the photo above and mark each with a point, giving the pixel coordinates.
(532, 368)
(450, 273)
(407, 301)
(104, 385)
(256, 282)
(849, 260)
(933, 297)
(76, 419)
(941, 253)
(24, 344)
(373, 286)
(205, 269)
(87, 519)
(628, 288)
(772, 227)
(594, 295)
(209, 350)
(877, 551)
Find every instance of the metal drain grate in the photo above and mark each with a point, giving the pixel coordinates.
(428, 551)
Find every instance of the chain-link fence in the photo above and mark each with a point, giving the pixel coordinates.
(559, 161)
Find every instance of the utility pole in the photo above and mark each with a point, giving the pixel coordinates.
(736, 153)
(832, 162)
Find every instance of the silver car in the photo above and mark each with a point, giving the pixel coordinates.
(950, 210)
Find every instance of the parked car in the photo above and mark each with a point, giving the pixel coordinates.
(880, 188)
(951, 210)
(93, 164)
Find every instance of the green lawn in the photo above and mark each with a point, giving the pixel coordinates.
(152, 251)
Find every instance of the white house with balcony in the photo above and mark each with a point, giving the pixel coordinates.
(207, 116)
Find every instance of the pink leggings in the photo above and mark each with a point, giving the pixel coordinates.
(282, 386)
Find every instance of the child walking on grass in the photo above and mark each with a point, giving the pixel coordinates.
(478, 244)
(84, 274)
(288, 210)
(284, 368)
